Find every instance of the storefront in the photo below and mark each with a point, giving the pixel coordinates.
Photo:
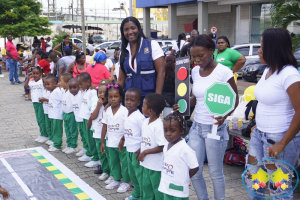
(242, 21)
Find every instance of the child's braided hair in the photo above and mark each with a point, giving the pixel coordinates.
(181, 121)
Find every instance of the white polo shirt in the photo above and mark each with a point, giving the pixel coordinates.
(46, 95)
(133, 131)
(67, 106)
(175, 177)
(115, 125)
(97, 123)
(86, 103)
(76, 104)
(36, 90)
(153, 136)
(55, 104)
(157, 52)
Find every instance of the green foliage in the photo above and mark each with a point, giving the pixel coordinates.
(21, 18)
(284, 12)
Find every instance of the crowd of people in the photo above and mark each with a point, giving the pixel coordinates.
(115, 105)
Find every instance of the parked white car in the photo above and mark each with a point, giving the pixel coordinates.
(79, 43)
(249, 51)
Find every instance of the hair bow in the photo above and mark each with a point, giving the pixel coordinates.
(115, 86)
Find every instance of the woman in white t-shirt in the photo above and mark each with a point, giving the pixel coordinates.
(278, 111)
(180, 43)
(204, 75)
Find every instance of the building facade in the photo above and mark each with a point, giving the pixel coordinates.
(242, 21)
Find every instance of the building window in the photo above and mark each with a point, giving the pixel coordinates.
(260, 20)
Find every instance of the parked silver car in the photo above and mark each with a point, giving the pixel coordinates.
(249, 51)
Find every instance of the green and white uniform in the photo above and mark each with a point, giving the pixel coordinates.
(133, 137)
(55, 115)
(71, 129)
(175, 178)
(85, 113)
(152, 136)
(115, 131)
(97, 130)
(36, 89)
(76, 104)
(46, 95)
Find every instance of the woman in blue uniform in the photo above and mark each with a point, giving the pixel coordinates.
(141, 60)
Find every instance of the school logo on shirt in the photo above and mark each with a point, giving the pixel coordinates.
(64, 102)
(146, 50)
(220, 59)
(84, 101)
(36, 87)
(146, 141)
(99, 121)
(75, 106)
(128, 132)
(114, 127)
(50, 105)
(168, 169)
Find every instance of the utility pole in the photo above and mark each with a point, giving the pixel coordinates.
(83, 25)
(73, 15)
(130, 8)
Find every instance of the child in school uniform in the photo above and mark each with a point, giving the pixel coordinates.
(180, 161)
(97, 109)
(113, 128)
(45, 100)
(36, 86)
(70, 125)
(76, 99)
(153, 141)
(55, 112)
(88, 93)
(133, 138)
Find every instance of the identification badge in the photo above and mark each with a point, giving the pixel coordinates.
(146, 50)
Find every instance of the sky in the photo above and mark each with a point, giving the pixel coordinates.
(102, 7)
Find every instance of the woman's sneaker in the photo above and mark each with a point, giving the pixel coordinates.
(123, 187)
(131, 198)
(113, 185)
(49, 142)
(103, 176)
(109, 180)
(65, 149)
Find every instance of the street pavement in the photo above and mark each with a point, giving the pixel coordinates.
(18, 129)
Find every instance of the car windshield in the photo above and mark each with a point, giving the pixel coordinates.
(104, 45)
(98, 37)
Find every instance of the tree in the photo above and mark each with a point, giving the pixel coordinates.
(283, 13)
(21, 18)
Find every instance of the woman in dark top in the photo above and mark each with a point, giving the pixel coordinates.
(169, 83)
(66, 44)
(142, 64)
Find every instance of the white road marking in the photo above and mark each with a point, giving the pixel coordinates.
(18, 179)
